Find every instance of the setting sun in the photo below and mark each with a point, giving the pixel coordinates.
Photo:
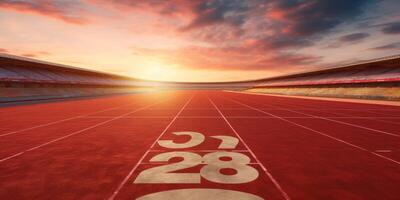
(153, 69)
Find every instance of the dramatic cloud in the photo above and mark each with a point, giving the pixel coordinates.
(392, 28)
(282, 42)
(66, 10)
(164, 8)
(232, 58)
(288, 60)
(231, 12)
(310, 17)
(3, 50)
(354, 37)
(246, 36)
(392, 46)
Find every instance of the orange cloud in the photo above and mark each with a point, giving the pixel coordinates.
(68, 11)
(228, 58)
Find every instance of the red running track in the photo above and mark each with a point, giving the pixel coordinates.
(204, 144)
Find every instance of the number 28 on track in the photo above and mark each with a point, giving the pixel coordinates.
(211, 165)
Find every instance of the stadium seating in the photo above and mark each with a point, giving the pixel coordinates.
(348, 75)
(38, 75)
(24, 79)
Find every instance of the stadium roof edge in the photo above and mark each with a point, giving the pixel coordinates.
(328, 69)
(340, 67)
(62, 66)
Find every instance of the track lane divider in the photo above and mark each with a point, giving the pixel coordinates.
(345, 123)
(318, 132)
(340, 122)
(347, 116)
(115, 193)
(62, 120)
(274, 181)
(75, 133)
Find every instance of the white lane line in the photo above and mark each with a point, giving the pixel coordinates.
(346, 116)
(63, 120)
(378, 119)
(274, 181)
(115, 193)
(197, 109)
(340, 122)
(345, 123)
(72, 134)
(131, 117)
(321, 133)
(376, 112)
(331, 99)
(330, 109)
(262, 117)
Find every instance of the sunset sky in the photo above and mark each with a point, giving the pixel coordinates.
(200, 40)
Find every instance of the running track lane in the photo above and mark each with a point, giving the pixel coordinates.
(300, 148)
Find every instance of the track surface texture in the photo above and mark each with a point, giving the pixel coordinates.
(199, 145)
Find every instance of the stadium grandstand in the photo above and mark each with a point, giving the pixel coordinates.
(28, 79)
(373, 79)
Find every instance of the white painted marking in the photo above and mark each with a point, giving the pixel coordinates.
(227, 142)
(163, 163)
(274, 181)
(200, 194)
(249, 117)
(360, 101)
(204, 150)
(59, 121)
(239, 162)
(164, 173)
(74, 133)
(321, 133)
(345, 123)
(210, 171)
(337, 121)
(195, 140)
(115, 193)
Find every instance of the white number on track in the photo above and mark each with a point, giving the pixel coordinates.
(227, 142)
(162, 174)
(200, 194)
(195, 139)
(211, 171)
(238, 162)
